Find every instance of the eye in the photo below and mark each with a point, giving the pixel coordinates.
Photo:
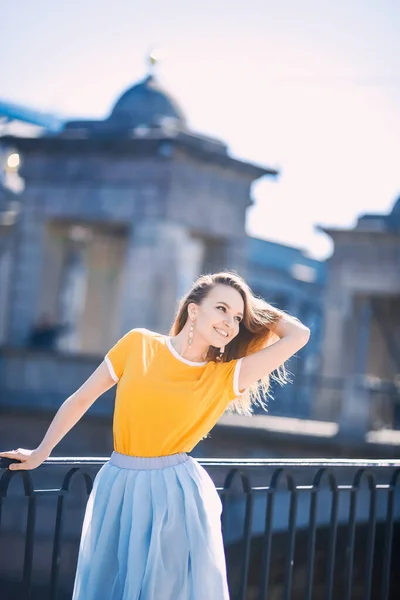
(238, 319)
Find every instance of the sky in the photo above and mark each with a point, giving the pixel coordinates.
(311, 87)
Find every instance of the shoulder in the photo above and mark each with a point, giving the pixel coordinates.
(143, 334)
(138, 332)
(146, 333)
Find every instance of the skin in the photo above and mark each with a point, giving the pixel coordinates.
(223, 308)
(212, 313)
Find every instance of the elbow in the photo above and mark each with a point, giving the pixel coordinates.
(79, 401)
(304, 335)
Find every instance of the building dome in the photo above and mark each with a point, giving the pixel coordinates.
(146, 104)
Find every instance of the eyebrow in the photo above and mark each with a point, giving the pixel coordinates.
(227, 306)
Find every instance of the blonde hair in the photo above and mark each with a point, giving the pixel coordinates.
(254, 333)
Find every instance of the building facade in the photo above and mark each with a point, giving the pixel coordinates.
(291, 280)
(362, 323)
(119, 217)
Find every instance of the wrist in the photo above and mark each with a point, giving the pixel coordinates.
(43, 451)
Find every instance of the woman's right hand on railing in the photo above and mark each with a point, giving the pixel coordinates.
(29, 459)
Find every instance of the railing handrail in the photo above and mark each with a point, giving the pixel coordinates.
(244, 462)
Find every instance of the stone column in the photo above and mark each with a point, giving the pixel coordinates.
(26, 271)
(236, 255)
(338, 322)
(162, 262)
(5, 278)
(338, 315)
(363, 335)
(72, 294)
(355, 411)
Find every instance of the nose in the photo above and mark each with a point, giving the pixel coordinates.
(228, 322)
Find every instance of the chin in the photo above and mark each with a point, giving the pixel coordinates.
(220, 344)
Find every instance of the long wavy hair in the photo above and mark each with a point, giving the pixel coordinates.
(254, 334)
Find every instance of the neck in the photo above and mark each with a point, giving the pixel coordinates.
(197, 352)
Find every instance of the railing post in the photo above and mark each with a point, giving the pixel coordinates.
(355, 410)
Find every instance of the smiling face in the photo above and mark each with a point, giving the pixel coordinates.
(218, 316)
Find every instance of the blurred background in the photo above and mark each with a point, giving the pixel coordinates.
(143, 144)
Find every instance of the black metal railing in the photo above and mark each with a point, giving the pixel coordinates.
(306, 529)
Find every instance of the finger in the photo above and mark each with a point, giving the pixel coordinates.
(21, 460)
(9, 453)
(18, 466)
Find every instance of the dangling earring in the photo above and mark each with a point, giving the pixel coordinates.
(221, 353)
(191, 330)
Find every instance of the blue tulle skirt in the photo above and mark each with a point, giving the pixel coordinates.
(152, 531)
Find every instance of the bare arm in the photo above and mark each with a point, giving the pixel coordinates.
(293, 336)
(65, 418)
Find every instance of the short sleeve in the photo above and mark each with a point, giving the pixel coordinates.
(228, 377)
(115, 358)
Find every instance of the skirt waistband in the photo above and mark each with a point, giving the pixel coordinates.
(125, 461)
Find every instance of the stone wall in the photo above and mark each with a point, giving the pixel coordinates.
(181, 216)
(364, 269)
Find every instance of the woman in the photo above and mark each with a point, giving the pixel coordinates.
(152, 526)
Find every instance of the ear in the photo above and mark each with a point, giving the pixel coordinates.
(192, 310)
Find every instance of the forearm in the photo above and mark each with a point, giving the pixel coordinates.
(75, 407)
(66, 417)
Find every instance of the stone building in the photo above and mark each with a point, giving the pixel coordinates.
(119, 216)
(362, 323)
(15, 121)
(8, 216)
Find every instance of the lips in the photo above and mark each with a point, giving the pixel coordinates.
(221, 332)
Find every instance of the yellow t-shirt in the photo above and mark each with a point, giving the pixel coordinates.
(164, 403)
